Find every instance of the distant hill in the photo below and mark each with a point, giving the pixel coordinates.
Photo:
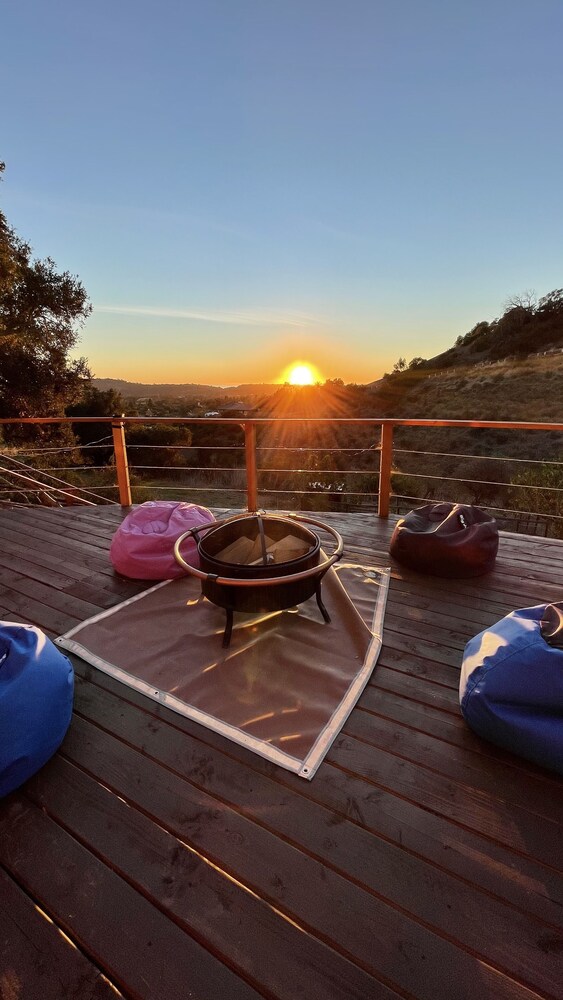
(506, 369)
(526, 328)
(185, 390)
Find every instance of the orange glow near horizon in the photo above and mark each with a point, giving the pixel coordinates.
(301, 373)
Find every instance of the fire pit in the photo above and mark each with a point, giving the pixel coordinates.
(260, 562)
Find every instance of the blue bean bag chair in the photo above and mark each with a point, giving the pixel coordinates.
(511, 685)
(36, 689)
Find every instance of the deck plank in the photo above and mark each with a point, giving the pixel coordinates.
(36, 960)
(247, 933)
(490, 777)
(69, 882)
(38, 552)
(255, 848)
(420, 862)
(49, 596)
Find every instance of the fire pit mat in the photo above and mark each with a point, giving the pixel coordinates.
(285, 686)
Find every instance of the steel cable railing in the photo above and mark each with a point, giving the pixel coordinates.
(72, 492)
(480, 458)
(54, 484)
(299, 472)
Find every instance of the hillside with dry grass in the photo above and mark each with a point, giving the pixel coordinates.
(527, 389)
(507, 369)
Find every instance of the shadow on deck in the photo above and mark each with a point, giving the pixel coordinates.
(154, 859)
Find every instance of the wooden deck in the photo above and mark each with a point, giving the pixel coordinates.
(153, 859)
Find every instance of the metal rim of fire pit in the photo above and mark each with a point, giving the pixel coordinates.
(230, 581)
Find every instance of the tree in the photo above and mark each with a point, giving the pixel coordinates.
(476, 336)
(95, 403)
(400, 365)
(486, 480)
(547, 494)
(524, 300)
(154, 446)
(41, 312)
(552, 303)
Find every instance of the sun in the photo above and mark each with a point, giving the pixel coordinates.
(302, 373)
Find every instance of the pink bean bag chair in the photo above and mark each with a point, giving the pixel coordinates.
(143, 545)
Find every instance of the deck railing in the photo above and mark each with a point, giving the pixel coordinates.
(382, 444)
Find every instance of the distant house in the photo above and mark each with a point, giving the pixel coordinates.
(235, 409)
(212, 413)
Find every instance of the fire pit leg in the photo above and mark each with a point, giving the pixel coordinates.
(228, 628)
(322, 608)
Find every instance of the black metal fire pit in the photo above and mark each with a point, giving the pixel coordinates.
(260, 562)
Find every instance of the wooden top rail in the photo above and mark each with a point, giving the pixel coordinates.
(517, 425)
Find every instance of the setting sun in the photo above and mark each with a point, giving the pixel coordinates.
(301, 373)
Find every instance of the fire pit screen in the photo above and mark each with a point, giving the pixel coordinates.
(260, 562)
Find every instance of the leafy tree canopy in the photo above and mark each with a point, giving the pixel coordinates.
(41, 313)
(95, 403)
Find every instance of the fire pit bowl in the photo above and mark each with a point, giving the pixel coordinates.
(260, 562)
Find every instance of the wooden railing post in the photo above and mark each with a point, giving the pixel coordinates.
(121, 465)
(385, 461)
(250, 457)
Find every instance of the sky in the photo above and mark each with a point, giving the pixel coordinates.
(241, 184)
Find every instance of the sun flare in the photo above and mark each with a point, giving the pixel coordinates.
(302, 373)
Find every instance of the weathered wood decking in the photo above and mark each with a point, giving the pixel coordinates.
(154, 858)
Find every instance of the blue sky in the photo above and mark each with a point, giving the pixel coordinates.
(241, 183)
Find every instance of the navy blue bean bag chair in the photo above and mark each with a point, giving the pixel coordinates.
(511, 685)
(446, 539)
(36, 689)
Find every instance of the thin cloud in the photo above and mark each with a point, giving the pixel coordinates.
(256, 317)
(326, 227)
(90, 209)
